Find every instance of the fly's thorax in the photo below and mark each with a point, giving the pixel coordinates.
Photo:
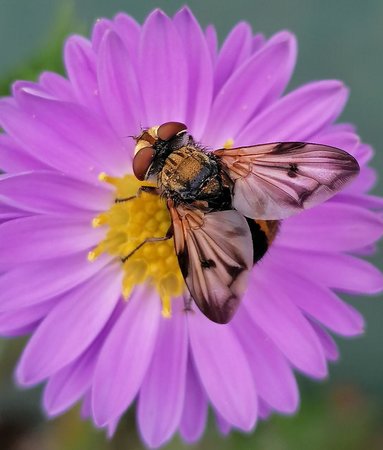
(163, 149)
(184, 171)
(189, 174)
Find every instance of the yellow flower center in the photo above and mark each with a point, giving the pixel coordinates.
(135, 217)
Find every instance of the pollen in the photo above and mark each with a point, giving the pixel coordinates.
(228, 144)
(134, 218)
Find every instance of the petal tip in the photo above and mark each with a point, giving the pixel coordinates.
(336, 86)
(21, 378)
(100, 417)
(157, 15)
(49, 407)
(185, 10)
(285, 37)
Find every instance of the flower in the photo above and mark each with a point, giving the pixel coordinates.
(97, 332)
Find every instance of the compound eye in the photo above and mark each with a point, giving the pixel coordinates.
(142, 161)
(168, 130)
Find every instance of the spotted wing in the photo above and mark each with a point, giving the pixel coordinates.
(274, 181)
(215, 255)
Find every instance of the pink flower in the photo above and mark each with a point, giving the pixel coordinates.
(87, 342)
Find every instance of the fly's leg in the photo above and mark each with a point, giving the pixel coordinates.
(148, 189)
(167, 236)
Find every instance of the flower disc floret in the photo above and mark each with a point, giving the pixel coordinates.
(136, 216)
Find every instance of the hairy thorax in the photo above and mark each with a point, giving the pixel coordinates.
(190, 175)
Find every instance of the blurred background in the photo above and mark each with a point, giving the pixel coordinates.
(342, 39)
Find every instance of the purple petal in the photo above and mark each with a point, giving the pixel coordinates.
(365, 201)
(163, 388)
(212, 42)
(164, 86)
(274, 379)
(346, 127)
(111, 428)
(332, 227)
(364, 153)
(297, 116)
(69, 384)
(80, 62)
(78, 132)
(364, 182)
(32, 238)
(57, 86)
(30, 86)
(230, 387)
(53, 193)
(21, 127)
(119, 88)
(334, 270)
(273, 311)
(367, 250)
(22, 321)
(264, 410)
(341, 139)
(317, 301)
(13, 158)
(270, 68)
(100, 28)
(258, 42)
(129, 31)
(236, 48)
(73, 381)
(195, 408)
(8, 212)
(70, 327)
(329, 346)
(223, 425)
(71, 150)
(86, 407)
(200, 89)
(33, 283)
(22, 331)
(121, 368)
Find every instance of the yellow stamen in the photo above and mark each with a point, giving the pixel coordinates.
(104, 177)
(91, 256)
(131, 222)
(166, 307)
(228, 144)
(98, 221)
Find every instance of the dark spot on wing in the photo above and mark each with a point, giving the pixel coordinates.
(234, 271)
(303, 197)
(284, 147)
(183, 261)
(207, 263)
(293, 170)
(223, 312)
(236, 231)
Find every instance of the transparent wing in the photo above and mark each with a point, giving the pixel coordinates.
(215, 254)
(275, 181)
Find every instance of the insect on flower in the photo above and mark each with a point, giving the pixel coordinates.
(226, 205)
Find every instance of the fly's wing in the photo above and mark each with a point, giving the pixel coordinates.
(275, 181)
(215, 254)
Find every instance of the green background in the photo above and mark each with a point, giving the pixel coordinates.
(337, 39)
